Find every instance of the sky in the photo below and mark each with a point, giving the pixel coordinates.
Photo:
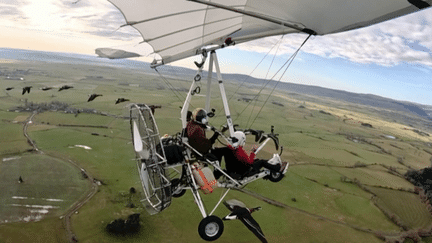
(391, 59)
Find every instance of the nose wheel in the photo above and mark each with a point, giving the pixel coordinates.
(210, 228)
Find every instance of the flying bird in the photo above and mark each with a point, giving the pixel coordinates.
(240, 211)
(65, 87)
(154, 107)
(93, 96)
(9, 88)
(119, 100)
(26, 89)
(46, 88)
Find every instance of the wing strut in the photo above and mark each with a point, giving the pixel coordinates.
(223, 94)
(213, 61)
(257, 15)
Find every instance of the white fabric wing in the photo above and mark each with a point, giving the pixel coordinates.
(115, 53)
(178, 29)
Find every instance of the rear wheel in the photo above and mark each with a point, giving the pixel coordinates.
(176, 191)
(275, 176)
(210, 228)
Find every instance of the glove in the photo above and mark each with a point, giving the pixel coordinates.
(254, 148)
(214, 137)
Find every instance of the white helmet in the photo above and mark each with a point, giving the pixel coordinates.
(241, 139)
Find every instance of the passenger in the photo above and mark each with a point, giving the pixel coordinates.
(237, 160)
(195, 131)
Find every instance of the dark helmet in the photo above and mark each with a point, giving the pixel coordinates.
(199, 115)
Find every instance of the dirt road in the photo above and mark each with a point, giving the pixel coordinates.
(77, 205)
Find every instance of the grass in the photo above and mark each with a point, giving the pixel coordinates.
(415, 216)
(12, 141)
(324, 201)
(315, 144)
(375, 176)
(327, 176)
(50, 229)
(108, 155)
(47, 182)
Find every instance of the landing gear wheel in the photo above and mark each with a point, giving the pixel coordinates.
(174, 185)
(210, 228)
(275, 176)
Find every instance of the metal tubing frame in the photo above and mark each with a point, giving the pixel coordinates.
(213, 60)
(209, 77)
(197, 197)
(195, 192)
(185, 108)
(262, 145)
(223, 94)
(220, 200)
(213, 164)
(260, 175)
(144, 168)
(194, 188)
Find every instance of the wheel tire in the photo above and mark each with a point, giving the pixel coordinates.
(174, 184)
(210, 228)
(275, 176)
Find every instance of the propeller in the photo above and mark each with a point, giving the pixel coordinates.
(138, 144)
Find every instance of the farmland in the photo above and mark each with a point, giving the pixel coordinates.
(49, 186)
(344, 177)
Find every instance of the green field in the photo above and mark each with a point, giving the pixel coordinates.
(414, 216)
(50, 186)
(319, 205)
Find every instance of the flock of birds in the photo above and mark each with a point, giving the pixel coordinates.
(27, 89)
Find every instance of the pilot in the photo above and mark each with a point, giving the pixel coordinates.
(239, 161)
(195, 130)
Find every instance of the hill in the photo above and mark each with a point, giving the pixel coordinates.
(345, 181)
(419, 110)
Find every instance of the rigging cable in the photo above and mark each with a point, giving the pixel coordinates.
(248, 76)
(256, 96)
(262, 88)
(170, 86)
(289, 61)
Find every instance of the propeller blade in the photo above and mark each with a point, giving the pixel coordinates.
(145, 178)
(138, 145)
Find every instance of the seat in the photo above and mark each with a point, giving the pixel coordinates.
(174, 153)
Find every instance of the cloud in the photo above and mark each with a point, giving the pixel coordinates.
(97, 18)
(10, 11)
(406, 39)
(108, 25)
